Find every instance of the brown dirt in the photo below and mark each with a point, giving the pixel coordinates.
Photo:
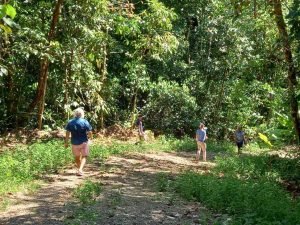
(118, 132)
(11, 139)
(129, 194)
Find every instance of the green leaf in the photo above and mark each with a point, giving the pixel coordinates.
(10, 11)
(2, 11)
(91, 57)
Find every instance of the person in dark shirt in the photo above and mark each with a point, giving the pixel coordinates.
(239, 137)
(80, 130)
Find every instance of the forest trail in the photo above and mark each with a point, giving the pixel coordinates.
(129, 194)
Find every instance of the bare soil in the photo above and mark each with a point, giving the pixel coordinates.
(129, 196)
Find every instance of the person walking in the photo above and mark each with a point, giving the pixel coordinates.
(80, 131)
(140, 126)
(201, 137)
(239, 137)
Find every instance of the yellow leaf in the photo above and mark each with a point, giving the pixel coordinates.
(265, 139)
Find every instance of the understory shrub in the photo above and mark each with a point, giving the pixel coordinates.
(26, 163)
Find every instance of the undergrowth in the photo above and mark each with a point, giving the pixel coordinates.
(248, 201)
(263, 166)
(250, 188)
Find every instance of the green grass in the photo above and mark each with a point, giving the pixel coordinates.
(247, 188)
(263, 167)
(84, 212)
(188, 144)
(248, 201)
(87, 192)
(82, 215)
(22, 165)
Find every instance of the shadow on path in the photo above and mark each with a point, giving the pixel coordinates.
(129, 195)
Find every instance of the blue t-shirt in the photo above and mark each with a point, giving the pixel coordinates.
(239, 136)
(78, 128)
(201, 135)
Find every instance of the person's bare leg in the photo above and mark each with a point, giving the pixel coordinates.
(203, 148)
(198, 155)
(204, 151)
(78, 161)
(198, 151)
(82, 163)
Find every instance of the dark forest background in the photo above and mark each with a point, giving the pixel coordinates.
(178, 63)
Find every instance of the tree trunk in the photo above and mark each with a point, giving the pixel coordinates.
(292, 74)
(133, 107)
(254, 9)
(39, 99)
(101, 120)
(68, 71)
(103, 73)
(42, 91)
(10, 100)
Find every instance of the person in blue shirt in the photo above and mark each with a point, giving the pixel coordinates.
(201, 137)
(80, 131)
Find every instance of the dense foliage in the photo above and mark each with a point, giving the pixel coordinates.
(177, 62)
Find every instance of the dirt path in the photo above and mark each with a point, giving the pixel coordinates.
(129, 194)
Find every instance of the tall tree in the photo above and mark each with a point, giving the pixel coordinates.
(292, 73)
(44, 66)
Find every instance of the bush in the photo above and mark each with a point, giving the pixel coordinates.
(171, 109)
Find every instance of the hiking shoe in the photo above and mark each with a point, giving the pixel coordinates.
(79, 173)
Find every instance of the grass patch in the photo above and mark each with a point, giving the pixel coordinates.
(87, 192)
(249, 202)
(84, 212)
(19, 167)
(266, 167)
(246, 189)
(163, 182)
(82, 215)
